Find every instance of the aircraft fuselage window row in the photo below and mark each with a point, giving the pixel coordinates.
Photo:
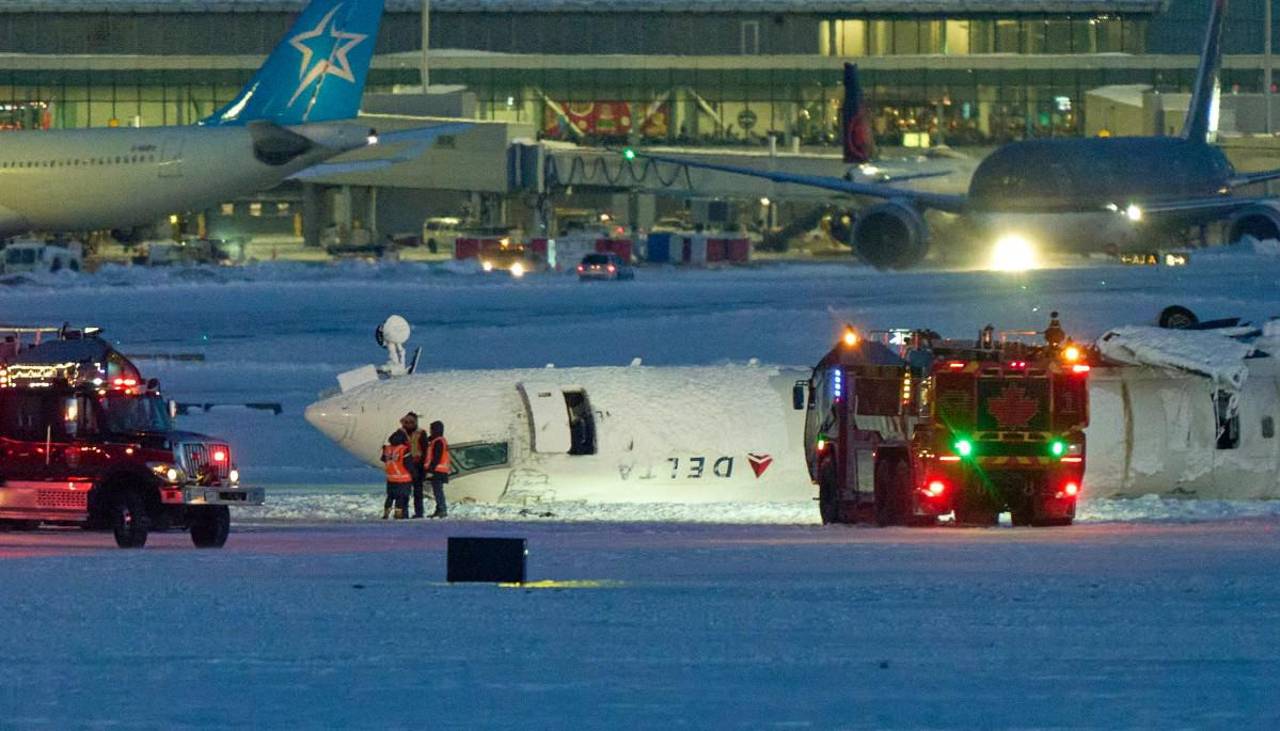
(79, 162)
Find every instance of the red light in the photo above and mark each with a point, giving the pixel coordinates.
(936, 488)
(219, 456)
(1071, 489)
(1079, 368)
(955, 365)
(612, 268)
(1018, 364)
(581, 268)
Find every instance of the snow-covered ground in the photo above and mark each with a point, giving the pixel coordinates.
(279, 332)
(654, 626)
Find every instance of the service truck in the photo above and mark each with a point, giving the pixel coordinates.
(85, 441)
(905, 427)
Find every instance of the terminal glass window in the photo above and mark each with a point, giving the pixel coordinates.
(957, 38)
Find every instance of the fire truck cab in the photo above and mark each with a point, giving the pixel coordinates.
(862, 410)
(84, 440)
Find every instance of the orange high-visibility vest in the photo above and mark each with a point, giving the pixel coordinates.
(443, 465)
(394, 457)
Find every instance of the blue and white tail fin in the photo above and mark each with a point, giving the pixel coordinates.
(1202, 115)
(317, 73)
(855, 130)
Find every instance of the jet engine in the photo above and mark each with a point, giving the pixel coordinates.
(1260, 220)
(891, 235)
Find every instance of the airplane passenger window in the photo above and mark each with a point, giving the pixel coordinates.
(1268, 427)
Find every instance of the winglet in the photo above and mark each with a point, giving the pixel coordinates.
(316, 73)
(1202, 113)
(854, 128)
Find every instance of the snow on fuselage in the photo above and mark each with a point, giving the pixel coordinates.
(1168, 432)
(612, 434)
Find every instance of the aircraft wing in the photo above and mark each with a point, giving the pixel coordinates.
(1248, 178)
(1213, 205)
(937, 201)
(418, 139)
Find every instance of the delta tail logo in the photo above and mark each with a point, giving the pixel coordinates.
(329, 53)
(759, 463)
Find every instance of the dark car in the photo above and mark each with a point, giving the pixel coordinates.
(605, 267)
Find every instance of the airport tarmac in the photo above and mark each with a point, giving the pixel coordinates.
(352, 625)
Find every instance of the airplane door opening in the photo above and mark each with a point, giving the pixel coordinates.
(560, 420)
(582, 424)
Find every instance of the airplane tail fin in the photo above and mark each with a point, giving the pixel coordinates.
(854, 127)
(1203, 111)
(316, 73)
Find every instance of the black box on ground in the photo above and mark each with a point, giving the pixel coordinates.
(489, 560)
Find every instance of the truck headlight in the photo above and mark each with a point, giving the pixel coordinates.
(234, 476)
(167, 472)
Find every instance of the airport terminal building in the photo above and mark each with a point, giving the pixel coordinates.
(693, 71)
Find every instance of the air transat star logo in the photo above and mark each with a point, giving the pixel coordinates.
(759, 463)
(329, 53)
(1012, 408)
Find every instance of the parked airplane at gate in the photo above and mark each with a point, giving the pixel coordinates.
(1074, 194)
(282, 124)
(1176, 413)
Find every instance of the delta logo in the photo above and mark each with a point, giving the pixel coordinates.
(759, 463)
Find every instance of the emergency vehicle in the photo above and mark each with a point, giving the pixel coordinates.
(84, 440)
(907, 427)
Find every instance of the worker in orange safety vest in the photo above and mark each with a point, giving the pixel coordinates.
(437, 467)
(396, 459)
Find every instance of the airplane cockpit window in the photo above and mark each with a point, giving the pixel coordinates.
(1268, 427)
(478, 456)
(1227, 415)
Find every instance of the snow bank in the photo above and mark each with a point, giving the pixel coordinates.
(1205, 352)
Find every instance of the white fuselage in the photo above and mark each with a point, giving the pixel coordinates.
(704, 434)
(74, 180)
(694, 434)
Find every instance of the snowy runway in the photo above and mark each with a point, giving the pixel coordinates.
(309, 625)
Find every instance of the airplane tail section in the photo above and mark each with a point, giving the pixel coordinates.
(317, 73)
(854, 126)
(1202, 114)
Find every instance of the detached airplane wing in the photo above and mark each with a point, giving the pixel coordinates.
(949, 203)
(416, 141)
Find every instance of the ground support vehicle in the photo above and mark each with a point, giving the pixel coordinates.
(908, 427)
(606, 267)
(84, 441)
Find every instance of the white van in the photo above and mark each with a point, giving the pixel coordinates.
(24, 257)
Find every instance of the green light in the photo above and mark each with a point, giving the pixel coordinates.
(964, 447)
(1058, 447)
(628, 154)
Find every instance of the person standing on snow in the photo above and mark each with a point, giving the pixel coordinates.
(437, 467)
(397, 461)
(417, 441)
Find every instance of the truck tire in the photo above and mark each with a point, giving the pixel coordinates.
(210, 526)
(129, 520)
(888, 494)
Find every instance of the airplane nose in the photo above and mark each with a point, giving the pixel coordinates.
(331, 420)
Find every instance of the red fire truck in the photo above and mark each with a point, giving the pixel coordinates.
(907, 427)
(85, 441)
